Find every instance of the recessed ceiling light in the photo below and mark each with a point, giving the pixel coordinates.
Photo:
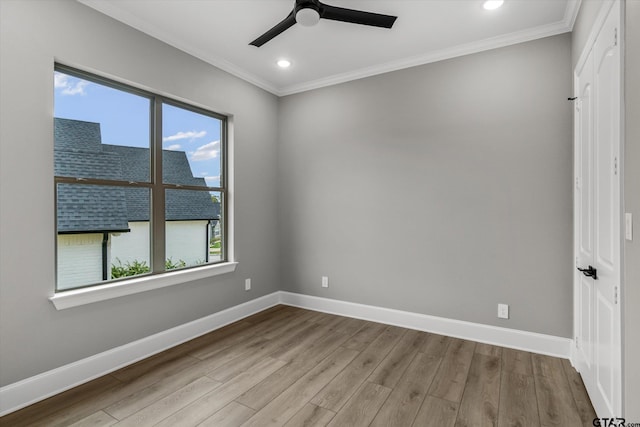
(492, 4)
(284, 63)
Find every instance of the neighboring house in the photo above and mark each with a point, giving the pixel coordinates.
(103, 225)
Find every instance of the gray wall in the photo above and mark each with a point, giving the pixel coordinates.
(442, 189)
(33, 335)
(631, 285)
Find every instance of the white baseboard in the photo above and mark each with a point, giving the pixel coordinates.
(31, 390)
(505, 337)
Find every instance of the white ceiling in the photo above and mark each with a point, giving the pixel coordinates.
(219, 32)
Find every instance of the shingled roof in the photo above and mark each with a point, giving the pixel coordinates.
(79, 152)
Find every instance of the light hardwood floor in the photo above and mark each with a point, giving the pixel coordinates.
(292, 367)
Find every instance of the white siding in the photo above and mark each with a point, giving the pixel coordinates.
(131, 246)
(187, 241)
(79, 259)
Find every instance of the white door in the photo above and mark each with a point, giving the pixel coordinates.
(597, 219)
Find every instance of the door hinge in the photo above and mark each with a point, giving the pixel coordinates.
(577, 342)
(577, 182)
(615, 36)
(615, 166)
(615, 295)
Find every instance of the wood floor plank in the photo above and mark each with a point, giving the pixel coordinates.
(546, 366)
(311, 416)
(217, 335)
(580, 396)
(343, 325)
(362, 406)
(289, 402)
(393, 366)
(517, 361)
(252, 334)
(317, 317)
(261, 394)
(148, 365)
(91, 404)
(168, 405)
(230, 353)
(405, 401)
(246, 360)
(481, 397)
(290, 324)
(268, 313)
(97, 419)
(518, 405)
(365, 336)
(210, 403)
(452, 376)
(556, 406)
(168, 368)
(66, 401)
(340, 389)
(488, 349)
(140, 397)
(435, 345)
(436, 412)
(288, 351)
(232, 415)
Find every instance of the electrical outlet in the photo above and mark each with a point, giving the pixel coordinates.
(247, 284)
(325, 282)
(503, 311)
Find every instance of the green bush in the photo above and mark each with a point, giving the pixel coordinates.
(140, 267)
(129, 269)
(170, 265)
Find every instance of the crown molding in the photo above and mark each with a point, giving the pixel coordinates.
(571, 13)
(439, 55)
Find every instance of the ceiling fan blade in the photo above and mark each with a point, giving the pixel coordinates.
(279, 28)
(356, 16)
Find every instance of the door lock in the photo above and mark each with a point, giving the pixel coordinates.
(589, 272)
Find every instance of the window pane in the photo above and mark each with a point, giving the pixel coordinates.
(193, 228)
(103, 233)
(191, 147)
(100, 132)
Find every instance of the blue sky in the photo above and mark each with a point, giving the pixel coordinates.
(124, 120)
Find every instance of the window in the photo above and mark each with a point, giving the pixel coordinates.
(140, 182)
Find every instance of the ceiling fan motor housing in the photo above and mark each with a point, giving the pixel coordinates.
(307, 12)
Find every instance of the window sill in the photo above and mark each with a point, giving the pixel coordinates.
(76, 297)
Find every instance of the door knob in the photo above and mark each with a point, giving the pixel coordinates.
(589, 272)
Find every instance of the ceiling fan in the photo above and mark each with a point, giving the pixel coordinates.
(309, 12)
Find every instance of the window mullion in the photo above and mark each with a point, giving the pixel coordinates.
(158, 193)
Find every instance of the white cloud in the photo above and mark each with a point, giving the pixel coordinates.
(60, 80)
(69, 85)
(206, 152)
(192, 134)
(173, 147)
(212, 181)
